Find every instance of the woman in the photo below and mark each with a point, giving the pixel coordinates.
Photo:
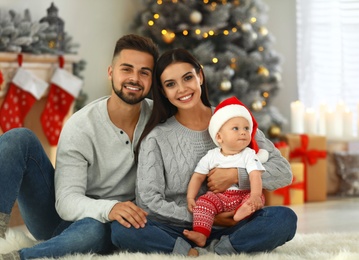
(174, 140)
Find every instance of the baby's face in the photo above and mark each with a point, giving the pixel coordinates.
(234, 135)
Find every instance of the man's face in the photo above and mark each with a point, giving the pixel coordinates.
(131, 75)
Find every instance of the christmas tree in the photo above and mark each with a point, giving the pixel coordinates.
(231, 41)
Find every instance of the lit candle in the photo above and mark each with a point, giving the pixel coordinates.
(330, 119)
(310, 121)
(339, 112)
(297, 117)
(347, 123)
(322, 120)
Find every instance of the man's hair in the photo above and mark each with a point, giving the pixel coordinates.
(138, 43)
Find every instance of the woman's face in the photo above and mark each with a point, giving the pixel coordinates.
(182, 85)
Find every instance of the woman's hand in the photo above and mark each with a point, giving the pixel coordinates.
(225, 219)
(220, 179)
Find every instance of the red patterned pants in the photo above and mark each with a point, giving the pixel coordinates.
(210, 204)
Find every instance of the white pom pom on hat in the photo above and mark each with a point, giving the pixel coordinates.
(229, 108)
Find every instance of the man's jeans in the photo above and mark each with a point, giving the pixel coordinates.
(27, 174)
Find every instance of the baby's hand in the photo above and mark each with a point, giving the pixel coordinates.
(256, 201)
(191, 204)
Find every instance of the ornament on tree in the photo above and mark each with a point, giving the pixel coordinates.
(257, 106)
(246, 27)
(168, 37)
(64, 88)
(263, 71)
(225, 86)
(24, 89)
(195, 17)
(274, 131)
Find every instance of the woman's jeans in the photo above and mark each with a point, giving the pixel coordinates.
(26, 174)
(265, 230)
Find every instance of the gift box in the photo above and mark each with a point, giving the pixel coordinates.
(333, 179)
(283, 149)
(347, 169)
(291, 194)
(311, 150)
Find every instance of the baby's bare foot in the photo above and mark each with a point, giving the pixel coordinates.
(198, 238)
(244, 211)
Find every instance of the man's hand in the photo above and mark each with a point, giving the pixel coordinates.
(220, 179)
(128, 214)
(225, 219)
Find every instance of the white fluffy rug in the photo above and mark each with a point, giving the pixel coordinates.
(328, 246)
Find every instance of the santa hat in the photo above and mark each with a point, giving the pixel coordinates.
(229, 108)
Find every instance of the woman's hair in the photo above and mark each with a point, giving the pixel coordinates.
(162, 107)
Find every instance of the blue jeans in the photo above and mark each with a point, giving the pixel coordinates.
(27, 174)
(265, 230)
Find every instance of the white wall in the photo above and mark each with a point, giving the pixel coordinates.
(96, 25)
(282, 24)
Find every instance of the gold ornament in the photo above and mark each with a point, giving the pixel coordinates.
(226, 85)
(257, 105)
(274, 131)
(168, 37)
(263, 71)
(195, 17)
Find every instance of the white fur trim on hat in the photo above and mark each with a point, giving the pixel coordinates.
(263, 155)
(223, 115)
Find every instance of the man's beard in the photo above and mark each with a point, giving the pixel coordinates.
(130, 99)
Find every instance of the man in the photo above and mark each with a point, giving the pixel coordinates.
(94, 181)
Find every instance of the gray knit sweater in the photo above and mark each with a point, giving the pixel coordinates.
(167, 159)
(95, 166)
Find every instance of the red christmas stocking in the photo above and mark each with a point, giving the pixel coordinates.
(24, 89)
(64, 88)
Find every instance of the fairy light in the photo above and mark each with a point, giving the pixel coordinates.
(150, 23)
(265, 94)
(225, 32)
(260, 48)
(253, 20)
(211, 32)
(234, 29)
(198, 31)
(156, 16)
(164, 32)
(214, 60)
(205, 35)
(159, 2)
(185, 32)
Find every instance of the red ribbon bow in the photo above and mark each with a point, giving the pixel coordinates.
(310, 156)
(285, 191)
